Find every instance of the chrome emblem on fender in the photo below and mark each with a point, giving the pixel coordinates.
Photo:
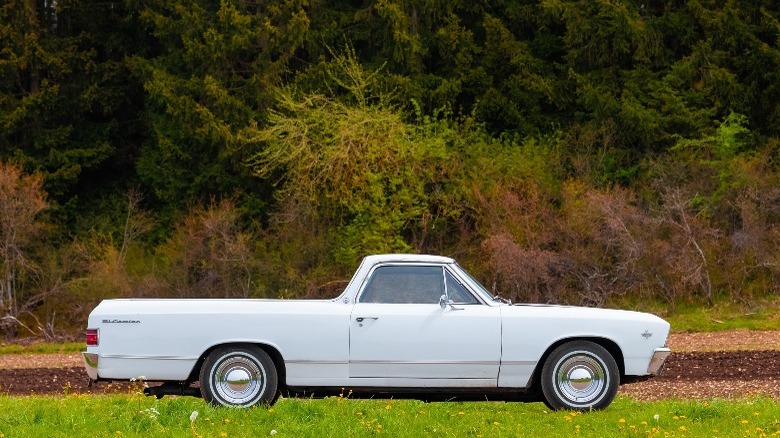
(647, 334)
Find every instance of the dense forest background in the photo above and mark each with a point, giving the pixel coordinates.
(563, 151)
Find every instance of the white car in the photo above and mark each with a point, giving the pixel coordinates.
(403, 323)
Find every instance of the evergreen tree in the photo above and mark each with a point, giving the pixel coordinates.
(67, 106)
(214, 73)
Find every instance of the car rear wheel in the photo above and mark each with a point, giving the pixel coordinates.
(580, 375)
(238, 376)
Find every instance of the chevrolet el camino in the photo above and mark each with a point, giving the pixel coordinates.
(404, 323)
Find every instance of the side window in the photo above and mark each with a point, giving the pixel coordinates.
(458, 293)
(404, 284)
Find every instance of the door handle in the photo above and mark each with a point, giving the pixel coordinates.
(363, 318)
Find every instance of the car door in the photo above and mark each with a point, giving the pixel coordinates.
(400, 335)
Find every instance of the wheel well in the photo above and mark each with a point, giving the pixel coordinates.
(276, 357)
(608, 345)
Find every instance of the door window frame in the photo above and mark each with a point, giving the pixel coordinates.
(444, 270)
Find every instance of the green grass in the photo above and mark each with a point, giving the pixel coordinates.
(759, 314)
(135, 415)
(725, 316)
(43, 347)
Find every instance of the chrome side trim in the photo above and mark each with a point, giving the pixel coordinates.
(426, 362)
(124, 356)
(518, 362)
(432, 362)
(90, 364)
(657, 361)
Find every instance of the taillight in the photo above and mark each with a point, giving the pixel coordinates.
(92, 337)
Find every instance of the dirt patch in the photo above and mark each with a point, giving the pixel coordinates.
(733, 340)
(703, 375)
(55, 360)
(69, 380)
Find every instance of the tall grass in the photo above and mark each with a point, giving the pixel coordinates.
(42, 348)
(135, 415)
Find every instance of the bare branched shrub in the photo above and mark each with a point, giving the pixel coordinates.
(601, 229)
(531, 274)
(54, 310)
(21, 201)
(210, 255)
(752, 265)
(600, 243)
(590, 145)
(104, 257)
(518, 244)
(688, 236)
(628, 248)
(296, 253)
(105, 273)
(137, 222)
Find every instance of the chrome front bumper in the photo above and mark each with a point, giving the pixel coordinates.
(658, 359)
(90, 364)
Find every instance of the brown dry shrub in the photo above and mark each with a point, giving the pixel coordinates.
(601, 234)
(684, 259)
(22, 199)
(750, 266)
(210, 255)
(524, 274)
(519, 243)
(296, 253)
(594, 244)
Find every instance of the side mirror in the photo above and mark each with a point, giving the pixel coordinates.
(444, 302)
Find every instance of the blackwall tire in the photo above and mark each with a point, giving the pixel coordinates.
(580, 375)
(239, 377)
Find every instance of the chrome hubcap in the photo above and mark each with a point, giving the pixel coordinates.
(580, 378)
(239, 380)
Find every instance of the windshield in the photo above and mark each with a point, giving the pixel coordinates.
(475, 285)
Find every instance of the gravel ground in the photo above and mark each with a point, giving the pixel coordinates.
(55, 360)
(704, 375)
(703, 365)
(734, 340)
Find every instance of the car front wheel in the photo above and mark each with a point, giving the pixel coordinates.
(580, 375)
(238, 376)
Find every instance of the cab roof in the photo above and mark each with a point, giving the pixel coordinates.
(424, 258)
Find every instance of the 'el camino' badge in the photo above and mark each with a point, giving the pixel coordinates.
(647, 334)
(121, 321)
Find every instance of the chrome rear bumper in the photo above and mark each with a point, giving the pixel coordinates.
(658, 359)
(90, 364)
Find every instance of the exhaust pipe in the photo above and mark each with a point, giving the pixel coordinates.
(170, 388)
